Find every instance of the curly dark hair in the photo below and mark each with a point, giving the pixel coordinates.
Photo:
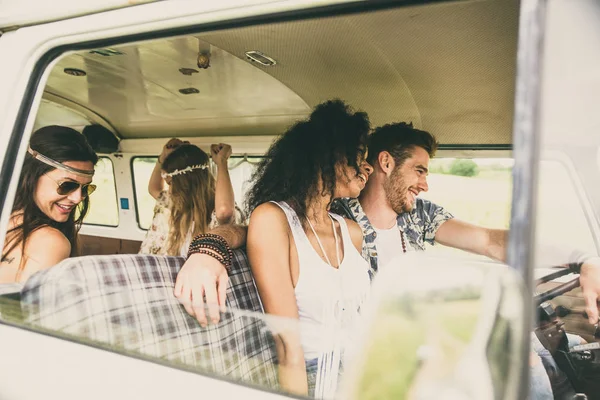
(309, 151)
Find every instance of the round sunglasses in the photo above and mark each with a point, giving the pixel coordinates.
(67, 187)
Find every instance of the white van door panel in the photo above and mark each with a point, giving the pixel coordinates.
(72, 371)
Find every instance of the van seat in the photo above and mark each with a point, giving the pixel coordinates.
(127, 303)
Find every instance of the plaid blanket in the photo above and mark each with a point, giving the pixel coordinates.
(127, 303)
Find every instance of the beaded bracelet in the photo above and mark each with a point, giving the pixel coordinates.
(218, 248)
(213, 255)
(213, 245)
(219, 257)
(213, 236)
(209, 238)
(213, 240)
(208, 246)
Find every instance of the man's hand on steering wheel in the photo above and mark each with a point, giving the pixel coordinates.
(589, 279)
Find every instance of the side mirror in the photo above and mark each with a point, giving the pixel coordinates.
(440, 328)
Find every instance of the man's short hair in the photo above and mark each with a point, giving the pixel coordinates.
(399, 139)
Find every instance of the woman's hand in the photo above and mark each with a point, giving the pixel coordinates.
(168, 148)
(156, 183)
(220, 153)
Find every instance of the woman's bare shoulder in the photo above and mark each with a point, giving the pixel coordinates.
(268, 211)
(47, 243)
(268, 220)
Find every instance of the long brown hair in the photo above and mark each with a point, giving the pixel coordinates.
(60, 144)
(192, 195)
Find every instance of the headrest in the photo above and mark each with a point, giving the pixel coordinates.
(101, 139)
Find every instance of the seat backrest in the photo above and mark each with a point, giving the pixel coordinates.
(126, 302)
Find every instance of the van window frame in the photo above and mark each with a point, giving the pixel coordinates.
(526, 127)
(116, 197)
(47, 58)
(42, 64)
(526, 153)
(135, 197)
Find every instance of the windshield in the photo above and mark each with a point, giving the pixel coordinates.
(414, 337)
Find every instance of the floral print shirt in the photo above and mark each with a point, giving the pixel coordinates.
(418, 226)
(156, 238)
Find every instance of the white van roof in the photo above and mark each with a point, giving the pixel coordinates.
(456, 79)
(17, 13)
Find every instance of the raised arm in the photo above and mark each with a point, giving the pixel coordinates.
(224, 197)
(475, 239)
(156, 184)
(204, 276)
(270, 261)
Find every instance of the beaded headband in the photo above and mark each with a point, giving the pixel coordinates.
(56, 164)
(187, 169)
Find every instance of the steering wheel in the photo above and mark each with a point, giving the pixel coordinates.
(560, 289)
(581, 366)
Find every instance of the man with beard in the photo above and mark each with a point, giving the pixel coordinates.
(393, 220)
(391, 215)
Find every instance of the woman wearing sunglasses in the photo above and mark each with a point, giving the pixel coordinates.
(51, 202)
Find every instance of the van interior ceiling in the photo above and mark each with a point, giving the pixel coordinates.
(447, 67)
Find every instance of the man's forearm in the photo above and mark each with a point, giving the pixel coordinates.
(498, 241)
(234, 235)
(473, 238)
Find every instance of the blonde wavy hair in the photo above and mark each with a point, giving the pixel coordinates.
(192, 195)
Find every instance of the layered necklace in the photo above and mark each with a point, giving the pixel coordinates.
(401, 234)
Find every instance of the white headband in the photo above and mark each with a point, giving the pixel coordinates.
(187, 169)
(53, 163)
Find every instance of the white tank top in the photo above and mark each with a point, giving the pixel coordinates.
(329, 299)
(388, 243)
